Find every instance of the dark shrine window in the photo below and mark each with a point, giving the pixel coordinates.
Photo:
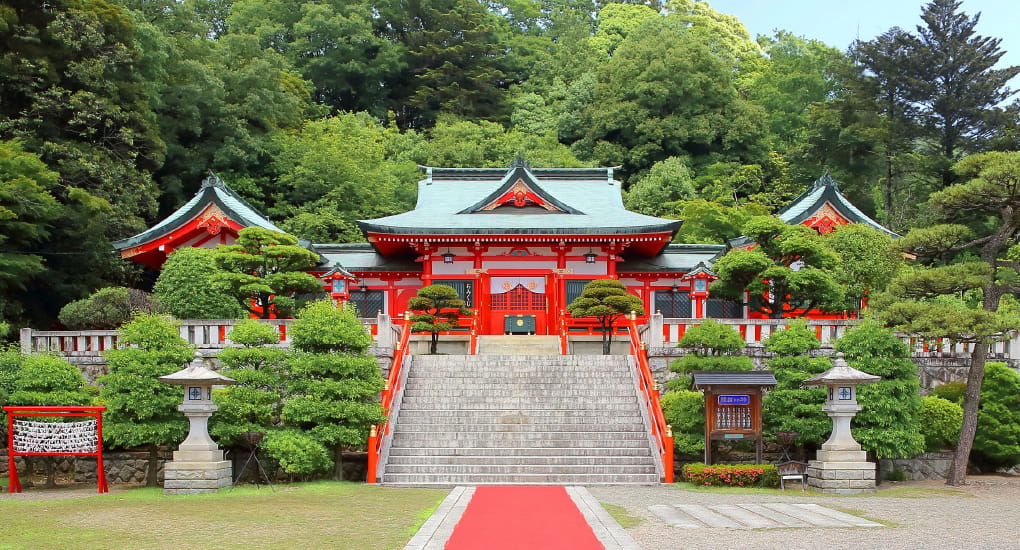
(465, 289)
(368, 302)
(575, 288)
(722, 308)
(673, 304)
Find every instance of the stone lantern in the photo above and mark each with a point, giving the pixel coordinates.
(841, 466)
(198, 465)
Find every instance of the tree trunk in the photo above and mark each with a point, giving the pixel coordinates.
(607, 338)
(150, 474)
(971, 400)
(51, 472)
(434, 344)
(338, 463)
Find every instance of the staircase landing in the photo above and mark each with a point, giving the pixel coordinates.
(518, 344)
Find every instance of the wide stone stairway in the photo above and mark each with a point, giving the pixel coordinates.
(519, 419)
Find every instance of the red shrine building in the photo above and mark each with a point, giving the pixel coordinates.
(517, 244)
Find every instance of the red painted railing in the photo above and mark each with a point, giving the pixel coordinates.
(377, 434)
(661, 431)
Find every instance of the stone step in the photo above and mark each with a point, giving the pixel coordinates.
(554, 460)
(509, 438)
(443, 480)
(518, 427)
(518, 416)
(520, 391)
(522, 451)
(503, 385)
(517, 469)
(590, 441)
(511, 402)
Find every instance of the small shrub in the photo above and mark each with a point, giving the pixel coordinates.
(940, 422)
(950, 391)
(685, 412)
(297, 452)
(251, 333)
(732, 475)
(107, 308)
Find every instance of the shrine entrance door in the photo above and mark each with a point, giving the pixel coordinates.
(518, 305)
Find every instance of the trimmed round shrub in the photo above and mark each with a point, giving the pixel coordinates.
(950, 391)
(997, 441)
(107, 308)
(185, 287)
(297, 452)
(940, 422)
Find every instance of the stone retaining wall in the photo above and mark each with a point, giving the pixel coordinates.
(922, 466)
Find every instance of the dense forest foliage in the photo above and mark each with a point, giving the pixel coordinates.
(112, 112)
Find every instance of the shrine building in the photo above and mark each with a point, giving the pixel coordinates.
(516, 243)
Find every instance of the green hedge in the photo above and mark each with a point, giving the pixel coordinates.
(732, 475)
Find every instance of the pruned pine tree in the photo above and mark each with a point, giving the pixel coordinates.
(606, 300)
(436, 308)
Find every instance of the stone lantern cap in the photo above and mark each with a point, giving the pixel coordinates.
(197, 373)
(840, 374)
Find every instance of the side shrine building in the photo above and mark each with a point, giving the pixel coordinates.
(517, 244)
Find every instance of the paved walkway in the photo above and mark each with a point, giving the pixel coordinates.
(437, 531)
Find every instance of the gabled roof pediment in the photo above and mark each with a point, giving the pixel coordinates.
(823, 206)
(520, 190)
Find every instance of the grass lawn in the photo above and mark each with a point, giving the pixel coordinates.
(302, 516)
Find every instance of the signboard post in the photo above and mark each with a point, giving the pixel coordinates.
(733, 406)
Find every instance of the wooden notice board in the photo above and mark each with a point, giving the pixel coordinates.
(733, 406)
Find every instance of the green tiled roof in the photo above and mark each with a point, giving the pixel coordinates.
(359, 257)
(825, 189)
(678, 258)
(213, 191)
(590, 198)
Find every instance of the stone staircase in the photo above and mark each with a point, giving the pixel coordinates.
(519, 419)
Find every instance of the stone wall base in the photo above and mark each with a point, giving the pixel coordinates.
(189, 478)
(841, 478)
(922, 466)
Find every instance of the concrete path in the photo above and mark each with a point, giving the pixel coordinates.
(436, 531)
(755, 516)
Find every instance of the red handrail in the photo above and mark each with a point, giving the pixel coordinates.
(376, 434)
(661, 431)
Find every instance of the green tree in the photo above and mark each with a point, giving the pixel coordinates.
(708, 222)
(436, 308)
(27, 209)
(926, 301)
(647, 105)
(262, 272)
(868, 261)
(332, 382)
(107, 308)
(685, 413)
(667, 181)
(789, 269)
(606, 300)
(185, 288)
(711, 346)
(790, 406)
(254, 402)
(48, 380)
(141, 410)
(958, 87)
(887, 424)
(997, 440)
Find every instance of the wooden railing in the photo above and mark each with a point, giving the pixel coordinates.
(662, 433)
(391, 391)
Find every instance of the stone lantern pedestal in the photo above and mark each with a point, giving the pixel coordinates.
(198, 465)
(841, 467)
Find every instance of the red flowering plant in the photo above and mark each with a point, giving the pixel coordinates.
(732, 475)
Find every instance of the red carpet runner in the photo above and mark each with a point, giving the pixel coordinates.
(522, 518)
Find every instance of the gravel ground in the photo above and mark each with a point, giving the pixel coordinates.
(985, 514)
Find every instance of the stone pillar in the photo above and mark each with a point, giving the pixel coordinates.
(198, 465)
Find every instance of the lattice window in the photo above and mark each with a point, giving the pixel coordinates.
(673, 304)
(518, 299)
(369, 302)
(721, 308)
